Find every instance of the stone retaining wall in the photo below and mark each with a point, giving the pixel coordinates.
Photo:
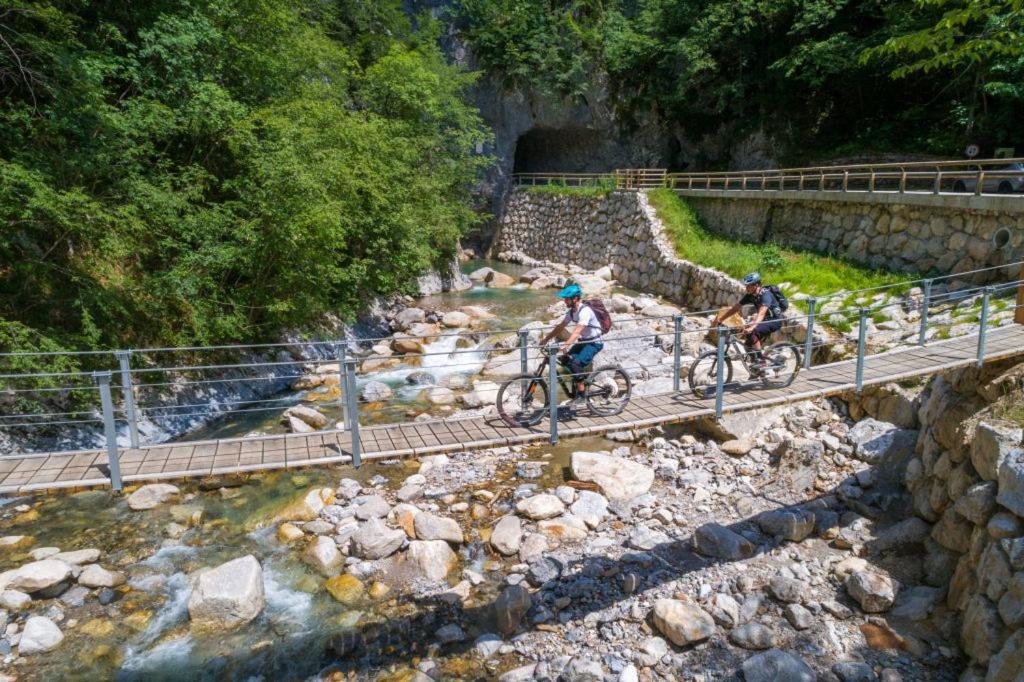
(911, 237)
(620, 229)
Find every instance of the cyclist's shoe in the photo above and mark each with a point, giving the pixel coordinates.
(758, 368)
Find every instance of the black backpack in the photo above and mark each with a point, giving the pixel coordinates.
(779, 297)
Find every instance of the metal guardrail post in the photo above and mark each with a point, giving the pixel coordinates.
(938, 181)
(801, 186)
(862, 333)
(552, 390)
(743, 182)
(341, 353)
(821, 182)
(981, 183)
(871, 182)
(720, 374)
(524, 341)
(983, 328)
(102, 380)
(809, 341)
(903, 180)
(353, 411)
(677, 351)
(782, 182)
(926, 302)
(1018, 313)
(846, 180)
(128, 395)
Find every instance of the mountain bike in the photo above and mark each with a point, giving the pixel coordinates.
(523, 399)
(781, 364)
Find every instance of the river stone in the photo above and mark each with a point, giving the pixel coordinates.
(618, 478)
(717, 541)
(776, 665)
(228, 595)
(1011, 604)
(152, 495)
(95, 575)
(12, 542)
(374, 540)
(307, 507)
(1008, 664)
(430, 463)
(405, 516)
(591, 507)
(1011, 482)
(510, 607)
(498, 280)
(14, 600)
(420, 378)
(682, 622)
(507, 535)
(407, 346)
(854, 671)
(737, 447)
(40, 634)
(978, 503)
(308, 415)
(431, 527)
(345, 588)
(533, 546)
(455, 319)
(787, 590)
(647, 538)
(408, 317)
(322, 554)
(725, 610)
(296, 425)
(788, 524)
(983, 633)
(39, 575)
(799, 617)
(990, 446)
(875, 441)
(375, 392)
(538, 507)
(953, 531)
(77, 557)
(373, 507)
(752, 636)
(1003, 524)
(565, 527)
(874, 591)
(439, 395)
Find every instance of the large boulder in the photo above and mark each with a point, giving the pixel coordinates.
(499, 280)
(408, 317)
(307, 506)
(432, 527)
(618, 478)
(507, 535)
(788, 524)
(39, 575)
(876, 441)
(95, 575)
(439, 395)
(776, 665)
(40, 634)
(1011, 482)
(990, 446)
(682, 622)
(407, 346)
(322, 554)
(375, 392)
(308, 415)
(539, 507)
(227, 596)
(152, 495)
(875, 592)
(510, 607)
(1008, 664)
(455, 319)
(715, 540)
(374, 540)
(434, 558)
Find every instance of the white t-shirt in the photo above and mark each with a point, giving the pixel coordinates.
(585, 316)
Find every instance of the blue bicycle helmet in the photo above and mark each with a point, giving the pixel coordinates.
(752, 278)
(571, 291)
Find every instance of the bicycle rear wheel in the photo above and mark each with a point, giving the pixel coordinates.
(608, 391)
(523, 400)
(703, 376)
(781, 364)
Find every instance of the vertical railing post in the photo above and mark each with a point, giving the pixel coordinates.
(809, 341)
(353, 411)
(553, 389)
(926, 303)
(871, 181)
(846, 180)
(341, 355)
(938, 181)
(821, 182)
(128, 395)
(102, 380)
(720, 374)
(983, 328)
(903, 180)
(862, 333)
(782, 181)
(801, 186)
(981, 183)
(743, 183)
(677, 342)
(1018, 313)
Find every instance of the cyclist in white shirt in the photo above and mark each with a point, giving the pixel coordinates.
(584, 342)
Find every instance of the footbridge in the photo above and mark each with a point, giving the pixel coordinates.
(947, 323)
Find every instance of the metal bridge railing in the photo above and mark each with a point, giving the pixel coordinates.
(974, 177)
(113, 392)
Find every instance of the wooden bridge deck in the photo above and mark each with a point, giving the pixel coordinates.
(42, 471)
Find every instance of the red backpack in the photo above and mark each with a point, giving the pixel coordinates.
(601, 312)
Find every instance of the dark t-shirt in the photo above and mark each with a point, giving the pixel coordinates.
(764, 298)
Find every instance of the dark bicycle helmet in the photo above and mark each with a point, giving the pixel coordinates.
(752, 278)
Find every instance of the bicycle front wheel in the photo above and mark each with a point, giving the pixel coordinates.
(703, 376)
(523, 400)
(781, 364)
(608, 391)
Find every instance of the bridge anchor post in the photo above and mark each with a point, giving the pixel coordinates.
(983, 327)
(862, 334)
(553, 389)
(102, 380)
(677, 342)
(353, 411)
(809, 341)
(720, 374)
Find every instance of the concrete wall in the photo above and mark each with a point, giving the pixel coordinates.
(620, 229)
(902, 232)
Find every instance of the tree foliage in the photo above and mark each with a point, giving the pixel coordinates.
(185, 171)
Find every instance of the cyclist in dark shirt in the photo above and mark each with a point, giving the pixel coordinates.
(767, 317)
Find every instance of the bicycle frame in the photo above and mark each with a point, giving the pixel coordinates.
(561, 374)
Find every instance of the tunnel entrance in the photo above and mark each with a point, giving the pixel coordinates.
(561, 150)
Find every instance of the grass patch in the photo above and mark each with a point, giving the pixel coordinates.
(597, 189)
(808, 272)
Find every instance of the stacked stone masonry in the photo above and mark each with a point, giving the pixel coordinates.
(620, 229)
(898, 237)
